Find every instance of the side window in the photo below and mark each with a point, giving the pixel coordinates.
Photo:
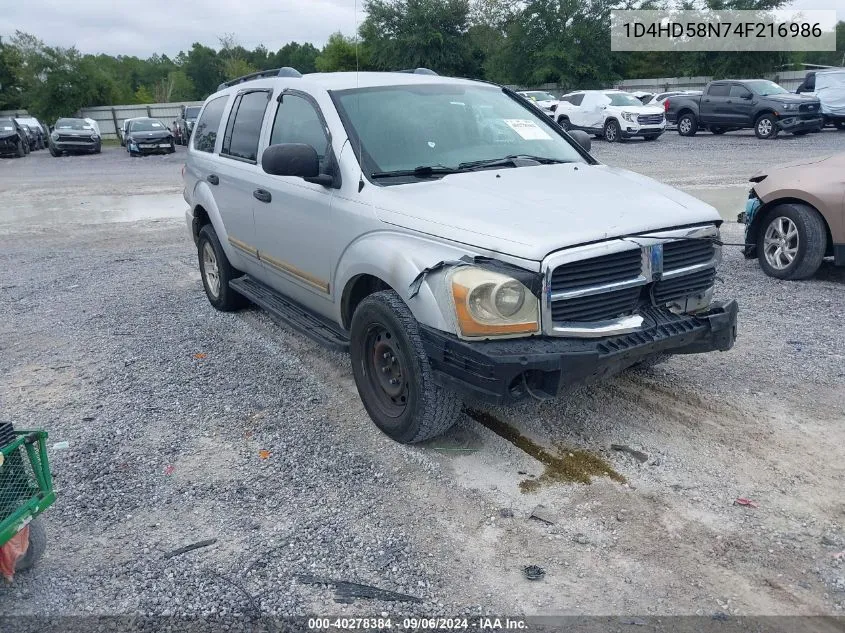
(244, 127)
(205, 134)
(739, 91)
(719, 90)
(298, 122)
(577, 99)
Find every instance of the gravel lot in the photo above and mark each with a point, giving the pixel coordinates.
(108, 342)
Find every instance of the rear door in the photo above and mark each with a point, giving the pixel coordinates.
(739, 105)
(589, 113)
(714, 104)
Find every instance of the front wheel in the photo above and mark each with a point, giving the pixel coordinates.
(766, 127)
(792, 242)
(393, 373)
(217, 272)
(20, 152)
(612, 132)
(687, 125)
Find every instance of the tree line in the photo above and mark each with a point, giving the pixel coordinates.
(516, 42)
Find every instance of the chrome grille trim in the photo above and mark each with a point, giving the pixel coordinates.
(651, 269)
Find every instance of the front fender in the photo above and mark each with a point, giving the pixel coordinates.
(397, 259)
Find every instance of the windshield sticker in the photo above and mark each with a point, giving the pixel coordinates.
(528, 130)
(6, 128)
(156, 125)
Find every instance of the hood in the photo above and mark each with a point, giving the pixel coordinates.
(795, 163)
(638, 109)
(74, 132)
(788, 97)
(528, 212)
(150, 135)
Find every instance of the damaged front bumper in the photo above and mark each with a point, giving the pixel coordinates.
(508, 370)
(797, 123)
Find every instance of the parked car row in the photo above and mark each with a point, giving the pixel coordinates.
(21, 135)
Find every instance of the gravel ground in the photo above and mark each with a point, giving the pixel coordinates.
(108, 342)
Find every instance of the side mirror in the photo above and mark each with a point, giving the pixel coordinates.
(582, 138)
(291, 159)
(747, 96)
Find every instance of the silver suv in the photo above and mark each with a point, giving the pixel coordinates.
(449, 235)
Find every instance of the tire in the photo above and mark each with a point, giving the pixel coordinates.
(53, 152)
(766, 127)
(564, 122)
(717, 130)
(808, 246)
(209, 251)
(612, 132)
(416, 408)
(687, 124)
(20, 152)
(98, 149)
(35, 549)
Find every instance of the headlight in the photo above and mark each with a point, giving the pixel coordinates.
(790, 106)
(55, 136)
(492, 304)
(629, 116)
(94, 137)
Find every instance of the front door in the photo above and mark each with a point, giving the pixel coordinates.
(295, 232)
(740, 105)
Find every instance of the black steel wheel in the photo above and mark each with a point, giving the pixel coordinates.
(393, 373)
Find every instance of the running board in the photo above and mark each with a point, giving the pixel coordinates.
(291, 313)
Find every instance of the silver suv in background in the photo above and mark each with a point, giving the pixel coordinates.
(447, 234)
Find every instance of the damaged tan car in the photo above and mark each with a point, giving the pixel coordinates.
(795, 217)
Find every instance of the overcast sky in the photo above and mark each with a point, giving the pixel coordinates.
(168, 26)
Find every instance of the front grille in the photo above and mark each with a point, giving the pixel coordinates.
(666, 290)
(66, 138)
(601, 307)
(683, 253)
(650, 119)
(598, 271)
(808, 107)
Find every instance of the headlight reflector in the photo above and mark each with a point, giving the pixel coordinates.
(491, 304)
(629, 116)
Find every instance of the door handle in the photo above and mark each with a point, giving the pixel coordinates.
(261, 194)
(214, 180)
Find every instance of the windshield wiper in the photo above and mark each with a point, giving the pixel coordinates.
(424, 171)
(510, 160)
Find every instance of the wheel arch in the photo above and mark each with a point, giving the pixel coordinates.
(775, 201)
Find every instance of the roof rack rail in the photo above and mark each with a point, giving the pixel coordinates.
(285, 71)
(418, 71)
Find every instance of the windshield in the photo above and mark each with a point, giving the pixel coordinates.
(147, 125)
(622, 99)
(538, 95)
(192, 112)
(6, 125)
(73, 124)
(765, 88)
(445, 125)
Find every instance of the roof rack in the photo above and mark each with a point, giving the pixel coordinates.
(418, 71)
(286, 71)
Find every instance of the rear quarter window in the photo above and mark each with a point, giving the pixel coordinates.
(208, 126)
(244, 127)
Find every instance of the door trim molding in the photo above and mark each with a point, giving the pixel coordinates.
(243, 246)
(285, 267)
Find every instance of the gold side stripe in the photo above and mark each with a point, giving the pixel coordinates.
(246, 248)
(296, 272)
(278, 264)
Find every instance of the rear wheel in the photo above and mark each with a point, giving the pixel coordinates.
(612, 132)
(766, 127)
(36, 547)
(687, 124)
(791, 242)
(393, 373)
(217, 272)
